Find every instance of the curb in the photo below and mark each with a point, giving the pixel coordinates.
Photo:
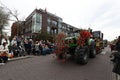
(19, 58)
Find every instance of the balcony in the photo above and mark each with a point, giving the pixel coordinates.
(53, 26)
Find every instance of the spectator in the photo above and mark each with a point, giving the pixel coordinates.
(3, 56)
(116, 68)
(117, 48)
(46, 49)
(14, 41)
(37, 48)
(26, 45)
(30, 43)
(18, 39)
(15, 50)
(6, 40)
(117, 45)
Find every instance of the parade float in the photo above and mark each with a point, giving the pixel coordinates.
(80, 47)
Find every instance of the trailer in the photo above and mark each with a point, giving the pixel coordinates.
(98, 36)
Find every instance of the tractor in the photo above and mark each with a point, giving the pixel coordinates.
(98, 36)
(80, 47)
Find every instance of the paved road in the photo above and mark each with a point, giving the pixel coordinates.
(48, 68)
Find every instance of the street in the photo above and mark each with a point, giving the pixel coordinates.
(48, 68)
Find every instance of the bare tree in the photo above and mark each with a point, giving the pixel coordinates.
(3, 18)
(13, 13)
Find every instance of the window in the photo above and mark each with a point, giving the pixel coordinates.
(26, 30)
(63, 27)
(59, 25)
(54, 23)
(96, 34)
(59, 30)
(36, 22)
(55, 31)
(48, 20)
(48, 29)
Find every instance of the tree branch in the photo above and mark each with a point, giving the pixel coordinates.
(13, 13)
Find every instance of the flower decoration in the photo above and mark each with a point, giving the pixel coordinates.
(84, 35)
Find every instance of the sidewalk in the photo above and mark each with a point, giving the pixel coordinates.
(18, 58)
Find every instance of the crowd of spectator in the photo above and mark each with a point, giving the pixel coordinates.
(20, 46)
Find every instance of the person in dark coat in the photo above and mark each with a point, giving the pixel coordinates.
(116, 68)
(29, 46)
(117, 48)
(15, 50)
(117, 45)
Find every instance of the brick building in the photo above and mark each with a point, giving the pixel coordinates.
(14, 29)
(41, 21)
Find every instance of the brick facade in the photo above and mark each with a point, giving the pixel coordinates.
(42, 20)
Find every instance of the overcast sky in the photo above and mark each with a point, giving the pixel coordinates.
(101, 15)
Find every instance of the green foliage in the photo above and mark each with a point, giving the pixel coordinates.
(44, 36)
